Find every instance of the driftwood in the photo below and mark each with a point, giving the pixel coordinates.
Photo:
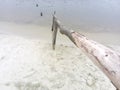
(105, 58)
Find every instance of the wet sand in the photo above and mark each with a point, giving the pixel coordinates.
(32, 31)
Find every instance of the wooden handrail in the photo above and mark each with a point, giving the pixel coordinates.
(103, 57)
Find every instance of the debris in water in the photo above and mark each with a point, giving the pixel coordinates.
(41, 14)
(36, 5)
(54, 12)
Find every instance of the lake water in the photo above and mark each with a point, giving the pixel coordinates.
(89, 16)
(75, 13)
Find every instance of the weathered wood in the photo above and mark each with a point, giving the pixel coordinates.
(55, 25)
(105, 58)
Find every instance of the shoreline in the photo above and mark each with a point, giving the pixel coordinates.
(37, 32)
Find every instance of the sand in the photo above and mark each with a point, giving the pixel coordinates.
(27, 64)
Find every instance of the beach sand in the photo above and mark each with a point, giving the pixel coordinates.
(27, 61)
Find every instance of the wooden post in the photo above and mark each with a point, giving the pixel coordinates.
(105, 58)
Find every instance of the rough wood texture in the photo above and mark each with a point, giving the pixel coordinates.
(56, 24)
(106, 59)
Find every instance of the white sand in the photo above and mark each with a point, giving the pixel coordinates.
(32, 65)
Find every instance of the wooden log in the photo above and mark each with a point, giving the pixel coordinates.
(105, 58)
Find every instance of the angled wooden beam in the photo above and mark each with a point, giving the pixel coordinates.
(103, 57)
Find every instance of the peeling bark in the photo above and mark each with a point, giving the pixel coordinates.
(105, 58)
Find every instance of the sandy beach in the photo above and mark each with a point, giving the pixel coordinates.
(27, 61)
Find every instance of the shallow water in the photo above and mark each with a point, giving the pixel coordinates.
(98, 20)
(33, 31)
(84, 15)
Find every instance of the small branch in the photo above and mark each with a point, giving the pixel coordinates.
(56, 24)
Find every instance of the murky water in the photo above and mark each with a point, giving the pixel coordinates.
(87, 15)
(99, 19)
